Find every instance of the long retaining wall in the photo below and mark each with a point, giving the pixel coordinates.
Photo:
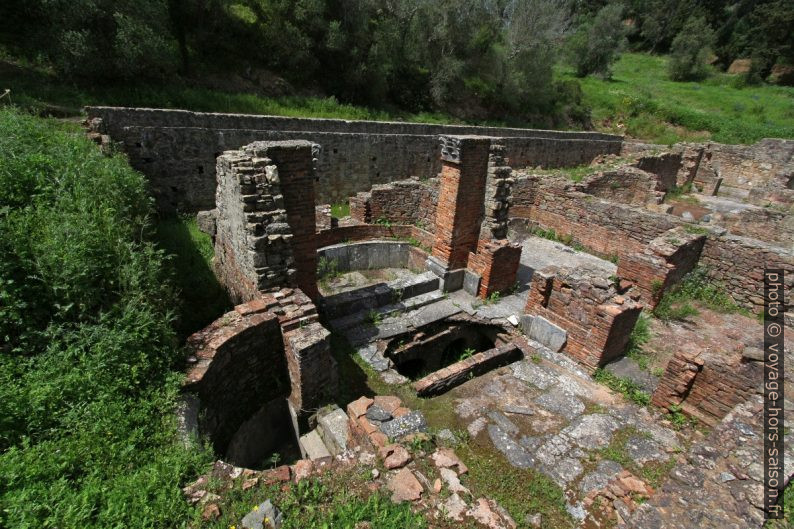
(176, 149)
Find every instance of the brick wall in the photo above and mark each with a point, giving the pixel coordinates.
(460, 198)
(496, 262)
(239, 365)
(708, 385)
(403, 202)
(272, 347)
(662, 264)
(597, 319)
(176, 149)
(605, 227)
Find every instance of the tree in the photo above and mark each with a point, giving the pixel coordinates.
(690, 51)
(596, 45)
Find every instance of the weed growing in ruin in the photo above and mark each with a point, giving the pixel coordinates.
(493, 298)
(626, 387)
(639, 336)
(696, 286)
(467, 353)
(374, 317)
(339, 211)
(383, 221)
(327, 270)
(679, 418)
(535, 358)
(695, 230)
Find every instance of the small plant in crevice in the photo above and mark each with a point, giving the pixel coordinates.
(327, 269)
(467, 353)
(374, 317)
(679, 419)
(640, 335)
(383, 221)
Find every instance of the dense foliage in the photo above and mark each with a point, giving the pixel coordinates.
(596, 44)
(86, 340)
(689, 53)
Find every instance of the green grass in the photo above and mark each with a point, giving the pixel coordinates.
(202, 299)
(678, 302)
(640, 335)
(624, 386)
(339, 211)
(89, 366)
(641, 101)
(523, 492)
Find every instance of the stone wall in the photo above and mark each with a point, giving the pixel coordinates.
(364, 232)
(765, 165)
(626, 185)
(597, 319)
(265, 225)
(374, 254)
(738, 263)
(176, 149)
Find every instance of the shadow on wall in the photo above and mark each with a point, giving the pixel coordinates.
(202, 298)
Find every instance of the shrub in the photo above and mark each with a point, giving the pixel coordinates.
(690, 51)
(595, 46)
(86, 382)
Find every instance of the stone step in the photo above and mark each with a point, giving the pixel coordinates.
(334, 430)
(378, 313)
(433, 308)
(374, 296)
(313, 446)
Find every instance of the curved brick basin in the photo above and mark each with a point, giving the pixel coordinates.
(369, 255)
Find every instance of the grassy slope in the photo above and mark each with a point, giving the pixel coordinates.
(642, 102)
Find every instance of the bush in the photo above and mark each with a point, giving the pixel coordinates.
(86, 385)
(597, 45)
(690, 51)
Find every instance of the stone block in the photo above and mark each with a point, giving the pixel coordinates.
(471, 282)
(550, 335)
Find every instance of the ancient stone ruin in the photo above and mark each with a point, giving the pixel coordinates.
(473, 267)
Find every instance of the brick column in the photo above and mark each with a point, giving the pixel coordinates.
(464, 169)
(295, 171)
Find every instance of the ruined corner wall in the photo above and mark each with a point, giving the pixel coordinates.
(754, 172)
(598, 320)
(708, 385)
(665, 261)
(176, 149)
(608, 228)
(402, 202)
(265, 221)
(738, 264)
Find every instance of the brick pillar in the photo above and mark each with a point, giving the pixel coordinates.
(464, 169)
(296, 175)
